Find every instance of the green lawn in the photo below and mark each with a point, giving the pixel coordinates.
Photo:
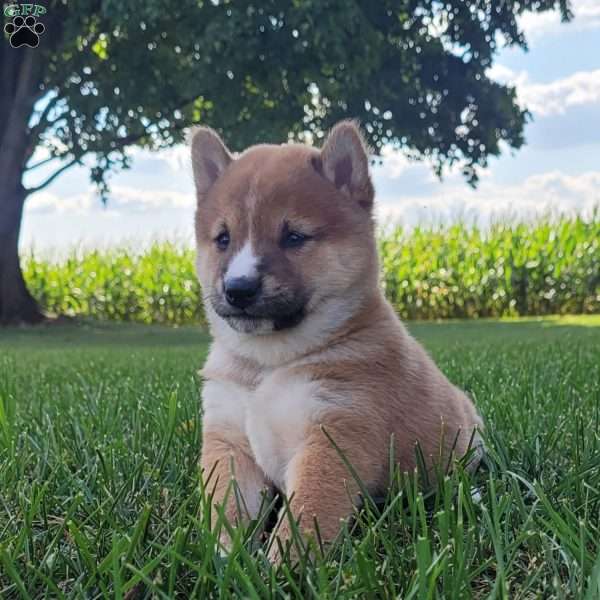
(99, 495)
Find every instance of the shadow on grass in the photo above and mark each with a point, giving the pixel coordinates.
(95, 334)
(90, 334)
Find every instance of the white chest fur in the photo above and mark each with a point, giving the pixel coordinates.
(275, 417)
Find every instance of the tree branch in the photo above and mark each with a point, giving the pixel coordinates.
(132, 138)
(52, 177)
(120, 143)
(38, 127)
(45, 161)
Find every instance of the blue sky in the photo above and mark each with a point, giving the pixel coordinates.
(557, 171)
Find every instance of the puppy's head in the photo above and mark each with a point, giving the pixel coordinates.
(284, 233)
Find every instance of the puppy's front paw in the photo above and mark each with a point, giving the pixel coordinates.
(281, 547)
(224, 546)
(224, 550)
(284, 547)
(274, 555)
(278, 547)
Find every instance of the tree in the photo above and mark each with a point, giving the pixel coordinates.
(108, 74)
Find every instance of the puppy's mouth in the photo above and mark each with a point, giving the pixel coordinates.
(261, 320)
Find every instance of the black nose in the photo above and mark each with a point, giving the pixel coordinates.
(241, 292)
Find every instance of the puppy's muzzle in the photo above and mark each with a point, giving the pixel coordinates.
(242, 292)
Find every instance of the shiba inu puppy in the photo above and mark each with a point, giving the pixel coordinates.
(304, 340)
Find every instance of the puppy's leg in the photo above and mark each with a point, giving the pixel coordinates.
(231, 477)
(322, 489)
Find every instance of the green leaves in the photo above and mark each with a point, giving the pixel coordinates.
(459, 271)
(157, 286)
(513, 269)
(100, 47)
(414, 73)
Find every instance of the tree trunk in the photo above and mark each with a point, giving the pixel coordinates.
(17, 305)
(17, 98)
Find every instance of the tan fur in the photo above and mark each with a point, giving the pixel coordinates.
(349, 366)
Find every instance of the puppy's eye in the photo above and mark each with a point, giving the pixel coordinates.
(293, 239)
(222, 240)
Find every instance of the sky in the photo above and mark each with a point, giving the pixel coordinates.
(557, 171)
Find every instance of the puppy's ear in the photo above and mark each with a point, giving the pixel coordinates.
(210, 157)
(344, 161)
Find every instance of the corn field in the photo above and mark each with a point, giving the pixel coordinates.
(458, 271)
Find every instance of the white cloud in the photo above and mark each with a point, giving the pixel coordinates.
(396, 163)
(504, 74)
(558, 96)
(178, 158)
(538, 25)
(123, 199)
(61, 221)
(553, 191)
(554, 98)
(549, 193)
(144, 199)
(46, 202)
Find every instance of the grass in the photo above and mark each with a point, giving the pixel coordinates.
(99, 494)
(458, 271)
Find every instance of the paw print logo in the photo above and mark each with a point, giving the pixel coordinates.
(24, 31)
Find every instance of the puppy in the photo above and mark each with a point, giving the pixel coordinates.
(306, 348)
